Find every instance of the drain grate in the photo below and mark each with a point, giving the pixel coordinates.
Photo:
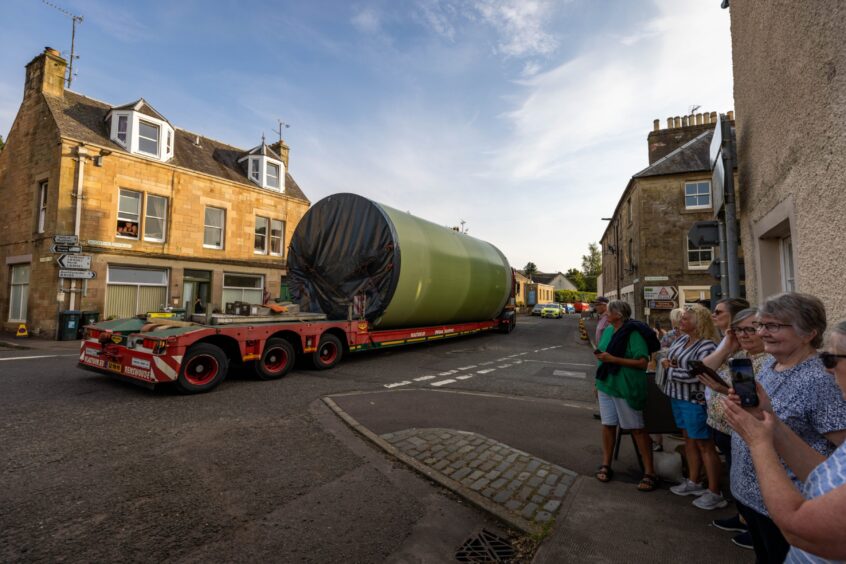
(485, 547)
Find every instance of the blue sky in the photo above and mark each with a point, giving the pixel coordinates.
(525, 118)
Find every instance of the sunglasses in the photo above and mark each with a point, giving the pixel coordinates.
(830, 360)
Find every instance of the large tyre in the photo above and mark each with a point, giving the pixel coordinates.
(276, 360)
(203, 368)
(329, 352)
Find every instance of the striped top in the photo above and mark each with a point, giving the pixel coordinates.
(680, 383)
(829, 475)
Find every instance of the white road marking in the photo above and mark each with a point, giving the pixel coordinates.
(465, 377)
(503, 359)
(467, 367)
(504, 366)
(397, 384)
(443, 382)
(517, 362)
(559, 363)
(485, 371)
(485, 363)
(522, 353)
(424, 378)
(537, 350)
(448, 373)
(38, 356)
(568, 374)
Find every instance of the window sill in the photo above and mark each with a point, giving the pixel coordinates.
(127, 237)
(212, 247)
(156, 241)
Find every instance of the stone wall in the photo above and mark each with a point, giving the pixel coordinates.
(790, 96)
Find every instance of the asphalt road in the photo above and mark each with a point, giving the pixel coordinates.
(96, 469)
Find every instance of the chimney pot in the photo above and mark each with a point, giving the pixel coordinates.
(699, 118)
(730, 115)
(670, 122)
(677, 122)
(684, 121)
(656, 124)
(713, 117)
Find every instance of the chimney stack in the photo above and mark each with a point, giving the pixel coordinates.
(730, 115)
(656, 124)
(46, 73)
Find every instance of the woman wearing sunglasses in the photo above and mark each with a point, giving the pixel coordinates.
(801, 417)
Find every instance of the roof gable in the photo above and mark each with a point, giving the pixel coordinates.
(142, 107)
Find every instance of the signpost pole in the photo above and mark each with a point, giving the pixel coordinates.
(731, 218)
(724, 285)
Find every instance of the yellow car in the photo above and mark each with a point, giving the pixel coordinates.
(552, 310)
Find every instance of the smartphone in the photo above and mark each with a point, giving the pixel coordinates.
(699, 367)
(743, 381)
(597, 351)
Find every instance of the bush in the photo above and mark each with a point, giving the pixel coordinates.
(571, 296)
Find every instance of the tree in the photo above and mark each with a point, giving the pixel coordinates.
(591, 266)
(530, 270)
(577, 278)
(2, 143)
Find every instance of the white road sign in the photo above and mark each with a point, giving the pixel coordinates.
(663, 293)
(81, 274)
(66, 239)
(65, 249)
(76, 262)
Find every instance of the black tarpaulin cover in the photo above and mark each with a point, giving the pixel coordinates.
(345, 245)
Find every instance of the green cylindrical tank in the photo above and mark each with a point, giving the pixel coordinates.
(412, 272)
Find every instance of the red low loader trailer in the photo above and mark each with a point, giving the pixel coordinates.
(197, 357)
(363, 276)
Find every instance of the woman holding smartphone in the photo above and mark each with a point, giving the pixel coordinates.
(794, 388)
(687, 397)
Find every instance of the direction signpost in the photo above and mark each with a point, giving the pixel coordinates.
(75, 262)
(66, 239)
(660, 297)
(77, 274)
(65, 249)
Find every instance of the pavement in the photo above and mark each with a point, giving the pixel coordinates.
(530, 462)
(10, 341)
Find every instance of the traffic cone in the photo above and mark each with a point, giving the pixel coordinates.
(22, 332)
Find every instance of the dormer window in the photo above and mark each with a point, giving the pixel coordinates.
(121, 129)
(148, 138)
(264, 167)
(272, 175)
(142, 130)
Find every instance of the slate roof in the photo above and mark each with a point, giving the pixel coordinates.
(142, 106)
(263, 150)
(83, 118)
(693, 156)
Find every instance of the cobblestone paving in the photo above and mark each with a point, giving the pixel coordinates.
(524, 485)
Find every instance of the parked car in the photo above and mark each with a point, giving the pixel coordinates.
(568, 308)
(552, 310)
(581, 307)
(537, 309)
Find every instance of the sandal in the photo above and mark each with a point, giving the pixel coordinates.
(604, 473)
(648, 483)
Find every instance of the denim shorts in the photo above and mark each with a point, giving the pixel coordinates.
(616, 411)
(692, 417)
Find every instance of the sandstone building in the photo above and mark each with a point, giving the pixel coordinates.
(647, 259)
(789, 68)
(167, 216)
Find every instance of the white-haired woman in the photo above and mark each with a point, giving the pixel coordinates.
(802, 414)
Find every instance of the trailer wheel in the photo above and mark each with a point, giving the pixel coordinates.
(276, 360)
(328, 353)
(203, 368)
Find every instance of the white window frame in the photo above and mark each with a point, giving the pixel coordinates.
(111, 282)
(259, 277)
(704, 294)
(147, 217)
(42, 205)
(256, 235)
(126, 219)
(700, 250)
(281, 238)
(788, 270)
(157, 139)
(267, 177)
(254, 169)
(221, 227)
(19, 316)
(122, 136)
(697, 195)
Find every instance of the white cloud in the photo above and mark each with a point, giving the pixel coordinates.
(520, 26)
(367, 20)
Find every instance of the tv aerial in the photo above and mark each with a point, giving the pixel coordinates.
(74, 18)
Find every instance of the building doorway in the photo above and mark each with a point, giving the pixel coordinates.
(196, 284)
